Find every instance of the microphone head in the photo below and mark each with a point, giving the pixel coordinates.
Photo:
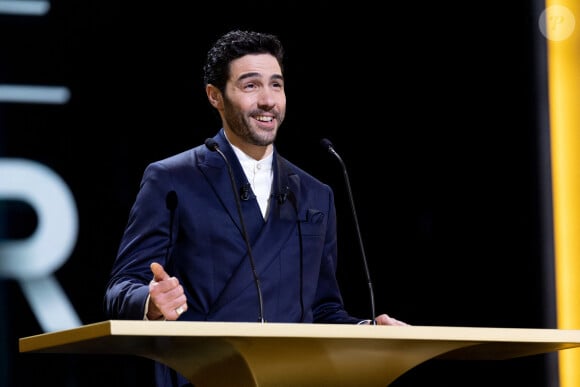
(171, 200)
(245, 192)
(283, 195)
(326, 144)
(211, 144)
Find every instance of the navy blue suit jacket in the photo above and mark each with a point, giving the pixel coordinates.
(202, 244)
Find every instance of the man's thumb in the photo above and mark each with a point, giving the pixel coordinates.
(159, 273)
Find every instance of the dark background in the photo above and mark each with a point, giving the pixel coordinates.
(438, 110)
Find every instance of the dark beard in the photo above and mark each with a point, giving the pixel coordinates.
(241, 127)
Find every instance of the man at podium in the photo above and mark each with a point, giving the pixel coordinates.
(230, 230)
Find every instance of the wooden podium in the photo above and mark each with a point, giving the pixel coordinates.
(275, 354)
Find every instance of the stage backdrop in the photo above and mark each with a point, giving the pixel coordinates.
(438, 110)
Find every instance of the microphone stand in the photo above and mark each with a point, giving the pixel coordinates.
(214, 147)
(328, 145)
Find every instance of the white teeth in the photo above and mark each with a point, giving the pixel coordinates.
(264, 119)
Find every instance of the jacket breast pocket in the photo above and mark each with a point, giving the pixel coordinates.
(314, 223)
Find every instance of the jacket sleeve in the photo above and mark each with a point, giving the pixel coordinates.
(145, 240)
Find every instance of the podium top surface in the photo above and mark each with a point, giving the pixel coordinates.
(567, 338)
(255, 354)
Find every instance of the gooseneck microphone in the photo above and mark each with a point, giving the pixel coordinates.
(328, 146)
(213, 146)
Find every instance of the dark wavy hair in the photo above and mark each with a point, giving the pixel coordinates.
(234, 45)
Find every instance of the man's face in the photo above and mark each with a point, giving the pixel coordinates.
(254, 103)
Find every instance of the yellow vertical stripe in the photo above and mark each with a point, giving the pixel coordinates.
(563, 45)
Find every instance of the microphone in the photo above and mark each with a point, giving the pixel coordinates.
(213, 146)
(171, 204)
(282, 196)
(328, 146)
(245, 192)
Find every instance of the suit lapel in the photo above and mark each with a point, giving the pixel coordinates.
(216, 171)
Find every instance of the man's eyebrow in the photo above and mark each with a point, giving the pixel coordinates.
(248, 75)
(256, 74)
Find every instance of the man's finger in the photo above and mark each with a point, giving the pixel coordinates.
(159, 274)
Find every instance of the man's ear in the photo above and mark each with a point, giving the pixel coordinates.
(214, 96)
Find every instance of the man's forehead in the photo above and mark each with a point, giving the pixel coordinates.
(261, 65)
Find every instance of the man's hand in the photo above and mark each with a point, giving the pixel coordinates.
(166, 296)
(384, 319)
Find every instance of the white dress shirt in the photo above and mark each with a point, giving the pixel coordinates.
(260, 175)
